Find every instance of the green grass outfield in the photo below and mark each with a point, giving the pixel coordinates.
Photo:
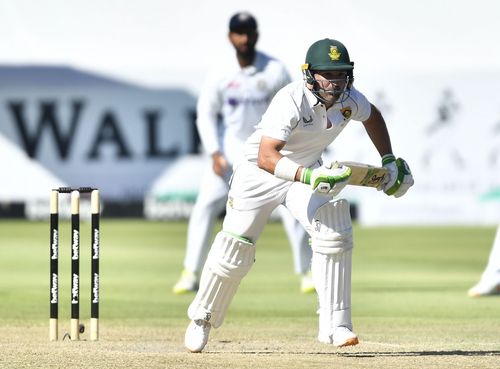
(410, 307)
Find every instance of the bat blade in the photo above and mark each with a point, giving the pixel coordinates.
(364, 174)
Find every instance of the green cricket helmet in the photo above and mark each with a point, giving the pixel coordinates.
(328, 55)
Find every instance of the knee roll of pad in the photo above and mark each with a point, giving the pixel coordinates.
(332, 228)
(229, 260)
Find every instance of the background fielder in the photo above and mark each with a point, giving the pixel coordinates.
(283, 167)
(240, 94)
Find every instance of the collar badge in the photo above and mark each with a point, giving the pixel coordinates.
(346, 112)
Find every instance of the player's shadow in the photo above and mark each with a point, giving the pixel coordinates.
(368, 354)
(420, 353)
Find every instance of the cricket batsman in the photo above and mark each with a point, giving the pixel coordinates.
(283, 166)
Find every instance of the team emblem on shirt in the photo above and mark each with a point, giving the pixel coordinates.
(334, 53)
(261, 84)
(346, 112)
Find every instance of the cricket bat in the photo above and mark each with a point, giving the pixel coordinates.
(363, 174)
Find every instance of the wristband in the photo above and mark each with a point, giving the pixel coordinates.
(286, 169)
(306, 175)
(388, 158)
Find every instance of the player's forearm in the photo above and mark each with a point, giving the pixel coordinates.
(207, 110)
(267, 160)
(269, 156)
(207, 130)
(381, 141)
(377, 131)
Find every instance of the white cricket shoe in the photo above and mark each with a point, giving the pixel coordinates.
(484, 289)
(197, 335)
(188, 282)
(343, 336)
(306, 283)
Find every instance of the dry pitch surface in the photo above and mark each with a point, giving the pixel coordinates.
(27, 347)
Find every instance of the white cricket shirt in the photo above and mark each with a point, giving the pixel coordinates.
(240, 96)
(296, 116)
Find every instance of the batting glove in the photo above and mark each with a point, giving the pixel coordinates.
(399, 179)
(325, 179)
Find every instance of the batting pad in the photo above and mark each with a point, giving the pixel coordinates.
(331, 265)
(229, 260)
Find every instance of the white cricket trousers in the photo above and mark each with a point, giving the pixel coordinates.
(248, 210)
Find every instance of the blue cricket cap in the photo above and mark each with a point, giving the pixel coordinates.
(242, 21)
